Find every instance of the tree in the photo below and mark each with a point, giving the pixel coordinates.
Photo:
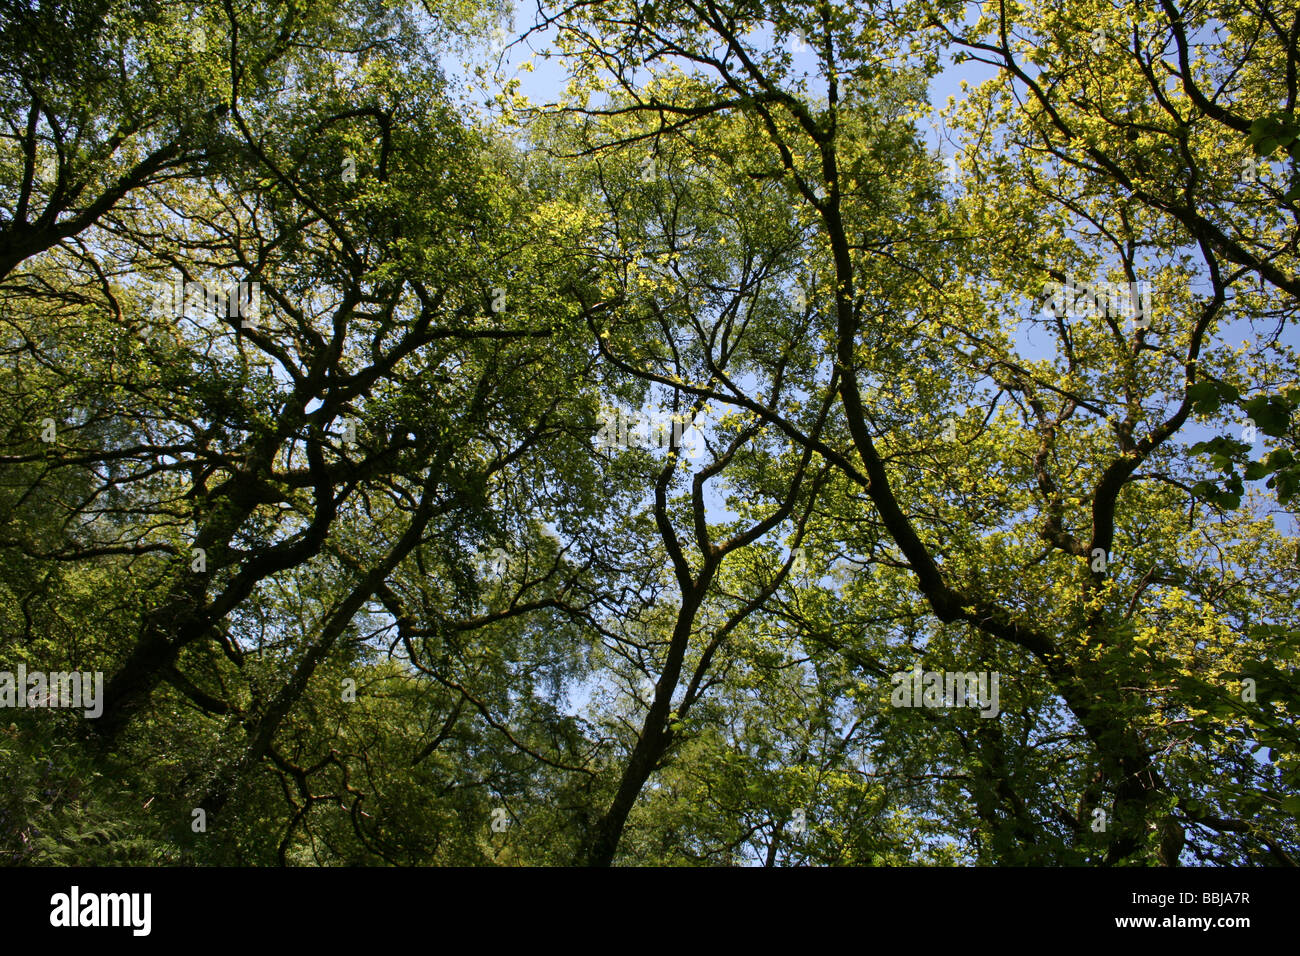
(1067, 448)
(688, 472)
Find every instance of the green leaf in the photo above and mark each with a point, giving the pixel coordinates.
(1255, 470)
(1271, 413)
(1204, 397)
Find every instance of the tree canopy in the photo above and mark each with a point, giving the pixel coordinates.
(732, 454)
